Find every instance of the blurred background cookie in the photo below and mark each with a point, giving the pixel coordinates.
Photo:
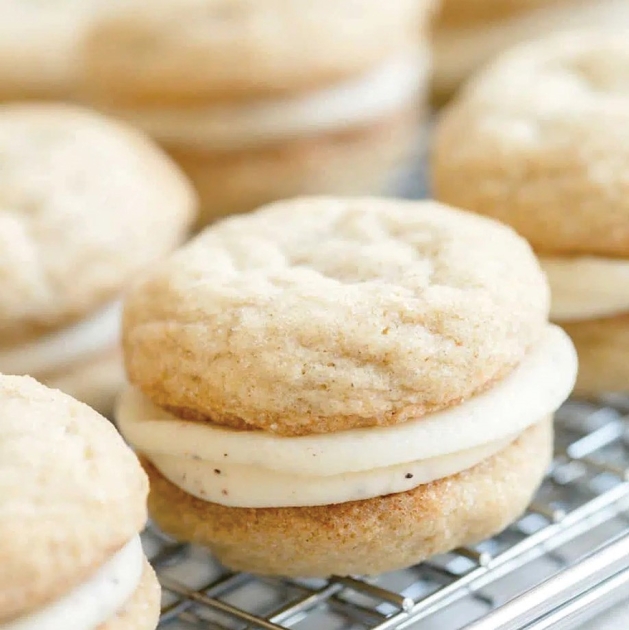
(343, 386)
(85, 204)
(266, 99)
(541, 142)
(72, 504)
(40, 46)
(470, 33)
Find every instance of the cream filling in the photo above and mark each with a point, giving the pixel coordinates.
(64, 347)
(458, 51)
(255, 487)
(365, 99)
(259, 469)
(96, 601)
(587, 287)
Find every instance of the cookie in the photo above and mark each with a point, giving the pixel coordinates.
(69, 522)
(258, 101)
(199, 51)
(469, 35)
(322, 362)
(545, 150)
(80, 193)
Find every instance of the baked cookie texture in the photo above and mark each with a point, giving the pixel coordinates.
(341, 312)
(540, 140)
(72, 494)
(80, 193)
(469, 35)
(258, 101)
(279, 352)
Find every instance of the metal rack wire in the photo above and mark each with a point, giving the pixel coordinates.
(569, 555)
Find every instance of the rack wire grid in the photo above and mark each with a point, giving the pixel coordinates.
(560, 564)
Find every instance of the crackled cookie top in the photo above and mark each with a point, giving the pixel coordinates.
(84, 204)
(540, 140)
(320, 314)
(72, 494)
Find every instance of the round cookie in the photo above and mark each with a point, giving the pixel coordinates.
(86, 203)
(341, 312)
(331, 386)
(545, 146)
(80, 193)
(229, 49)
(545, 149)
(72, 495)
(394, 531)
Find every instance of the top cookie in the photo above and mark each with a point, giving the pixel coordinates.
(71, 494)
(541, 141)
(84, 204)
(317, 315)
(195, 50)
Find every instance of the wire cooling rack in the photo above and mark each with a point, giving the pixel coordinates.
(564, 561)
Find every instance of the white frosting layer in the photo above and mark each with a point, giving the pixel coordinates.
(258, 469)
(231, 126)
(96, 601)
(587, 287)
(252, 486)
(458, 51)
(62, 348)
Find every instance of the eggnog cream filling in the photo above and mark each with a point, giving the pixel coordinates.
(365, 99)
(259, 469)
(458, 51)
(93, 603)
(587, 287)
(62, 348)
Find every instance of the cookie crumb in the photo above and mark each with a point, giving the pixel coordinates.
(217, 471)
(409, 475)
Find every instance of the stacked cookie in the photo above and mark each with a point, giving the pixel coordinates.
(85, 204)
(470, 33)
(343, 386)
(262, 100)
(541, 141)
(72, 504)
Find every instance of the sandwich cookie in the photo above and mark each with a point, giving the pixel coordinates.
(541, 142)
(265, 100)
(72, 504)
(469, 34)
(332, 386)
(85, 203)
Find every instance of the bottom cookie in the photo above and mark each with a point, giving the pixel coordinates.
(142, 611)
(363, 537)
(603, 348)
(356, 161)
